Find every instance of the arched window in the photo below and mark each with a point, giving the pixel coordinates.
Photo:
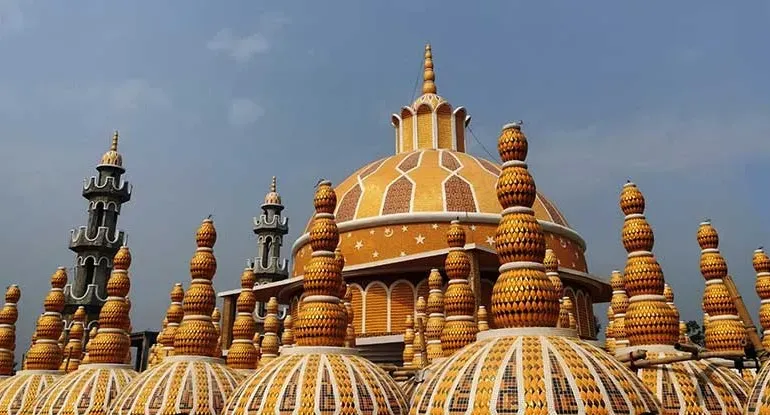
(266, 251)
(90, 268)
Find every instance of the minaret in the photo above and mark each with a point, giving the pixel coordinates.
(8, 316)
(669, 294)
(419, 334)
(97, 243)
(270, 228)
(287, 337)
(216, 318)
(609, 332)
(761, 264)
(459, 329)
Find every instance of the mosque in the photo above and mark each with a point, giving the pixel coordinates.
(427, 282)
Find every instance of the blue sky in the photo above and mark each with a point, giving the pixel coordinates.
(213, 98)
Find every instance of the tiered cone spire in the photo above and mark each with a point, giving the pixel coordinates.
(523, 296)
(242, 353)
(350, 331)
(174, 315)
(287, 337)
(459, 329)
(45, 353)
(725, 331)
(408, 354)
(419, 335)
(216, 319)
(482, 317)
(668, 292)
(435, 324)
(8, 316)
(73, 351)
(761, 264)
(270, 342)
(112, 342)
(648, 319)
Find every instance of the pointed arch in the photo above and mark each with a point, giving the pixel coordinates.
(358, 307)
(402, 294)
(376, 301)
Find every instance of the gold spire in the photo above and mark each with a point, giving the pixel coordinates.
(619, 305)
(89, 345)
(112, 342)
(242, 353)
(322, 322)
(45, 354)
(350, 331)
(8, 316)
(459, 302)
(419, 336)
(683, 338)
(725, 331)
(435, 323)
(668, 292)
(761, 264)
(174, 315)
(648, 319)
(216, 319)
(62, 341)
(270, 340)
(408, 355)
(73, 351)
(428, 76)
(287, 337)
(609, 333)
(570, 307)
(483, 322)
(196, 335)
(272, 197)
(551, 264)
(112, 157)
(523, 296)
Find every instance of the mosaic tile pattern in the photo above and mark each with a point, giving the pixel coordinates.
(90, 390)
(18, 392)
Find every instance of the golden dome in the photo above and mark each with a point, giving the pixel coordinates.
(725, 331)
(8, 316)
(761, 264)
(270, 344)
(73, 351)
(460, 329)
(318, 375)
(242, 354)
(648, 319)
(112, 157)
(481, 316)
(272, 197)
(193, 378)
(19, 392)
(527, 364)
(435, 324)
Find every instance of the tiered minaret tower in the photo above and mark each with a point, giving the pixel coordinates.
(270, 228)
(96, 243)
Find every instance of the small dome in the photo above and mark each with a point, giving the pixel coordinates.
(18, 392)
(272, 197)
(82, 391)
(300, 378)
(112, 157)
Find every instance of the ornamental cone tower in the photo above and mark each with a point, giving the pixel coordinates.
(609, 332)
(242, 354)
(482, 317)
(41, 369)
(725, 332)
(761, 264)
(73, 351)
(178, 381)
(287, 337)
(106, 369)
(408, 355)
(8, 316)
(270, 344)
(419, 338)
(87, 350)
(648, 319)
(435, 310)
(350, 331)
(683, 338)
(216, 319)
(460, 329)
(527, 365)
(619, 305)
(174, 315)
(668, 292)
(321, 375)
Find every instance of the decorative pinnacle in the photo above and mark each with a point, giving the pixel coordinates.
(648, 320)
(115, 137)
(112, 340)
(481, 316)
(459, 302)
(725, 331)
(350, 331)
(322, 322)
(761, 264)
(73, 351)
(112, 157)
(287, 337)
(8, 316)
(435, 324)
(273, 186)
(408, 354)
(45, 353)
(428, 76)
(270, 340)
(242, 353)
(523, 296)
(89, 345)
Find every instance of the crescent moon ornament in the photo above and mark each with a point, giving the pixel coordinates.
(388, 232)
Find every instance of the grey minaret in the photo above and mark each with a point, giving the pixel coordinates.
(96, 243)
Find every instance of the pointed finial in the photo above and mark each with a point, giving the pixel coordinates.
(408, 353)
(73, 351)
(242, 353)
(8, 316)
(273, 186)
(112, 157)
(270, 342)
(459, 329)
(115, 137)
(112, 340)
(428, 77)
(287, 337)
(45, 353)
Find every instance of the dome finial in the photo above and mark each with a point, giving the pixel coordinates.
(112, 157)
(460, 329)
(8, 316)
(115, 137)
(242, 353)
(428, 76)
(273, 186)
(112, 340)
(45, 353)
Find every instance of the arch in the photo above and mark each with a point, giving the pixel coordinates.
(266, 246)
(89, 267)
(401, 304)
(422, 290)
(590, 313)
(461, 120)
(444, 134)
(408, 142)
(358, 307)
(584, 325)
(376, 308)
(486, 299)
(424, 127)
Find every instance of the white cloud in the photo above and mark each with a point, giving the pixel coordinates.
(244, 48)
(244, 111)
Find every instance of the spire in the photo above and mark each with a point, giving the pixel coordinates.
(761, 264)
(242, 353)
(216, 319)
(61, 341)
(321, 321)
(89, 345)
(619, 305)
(523, 296)
(73, 351)
(428, 76)
(112, 342)
(551, 264)
(272, 197)
(196, 335)
(609, 332)
(483, 323)
(419, 336)
(8, 316)
(350, 331)
(272, 185)
(459, 302)
(408, 354)
(174, 314)
(570, 306)
(45, 353)
(668, 292)
(683, 338)
(270, 339)
(287, 337)
(725, 331)
(112, 157)
(435, 315)
(648, 319)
